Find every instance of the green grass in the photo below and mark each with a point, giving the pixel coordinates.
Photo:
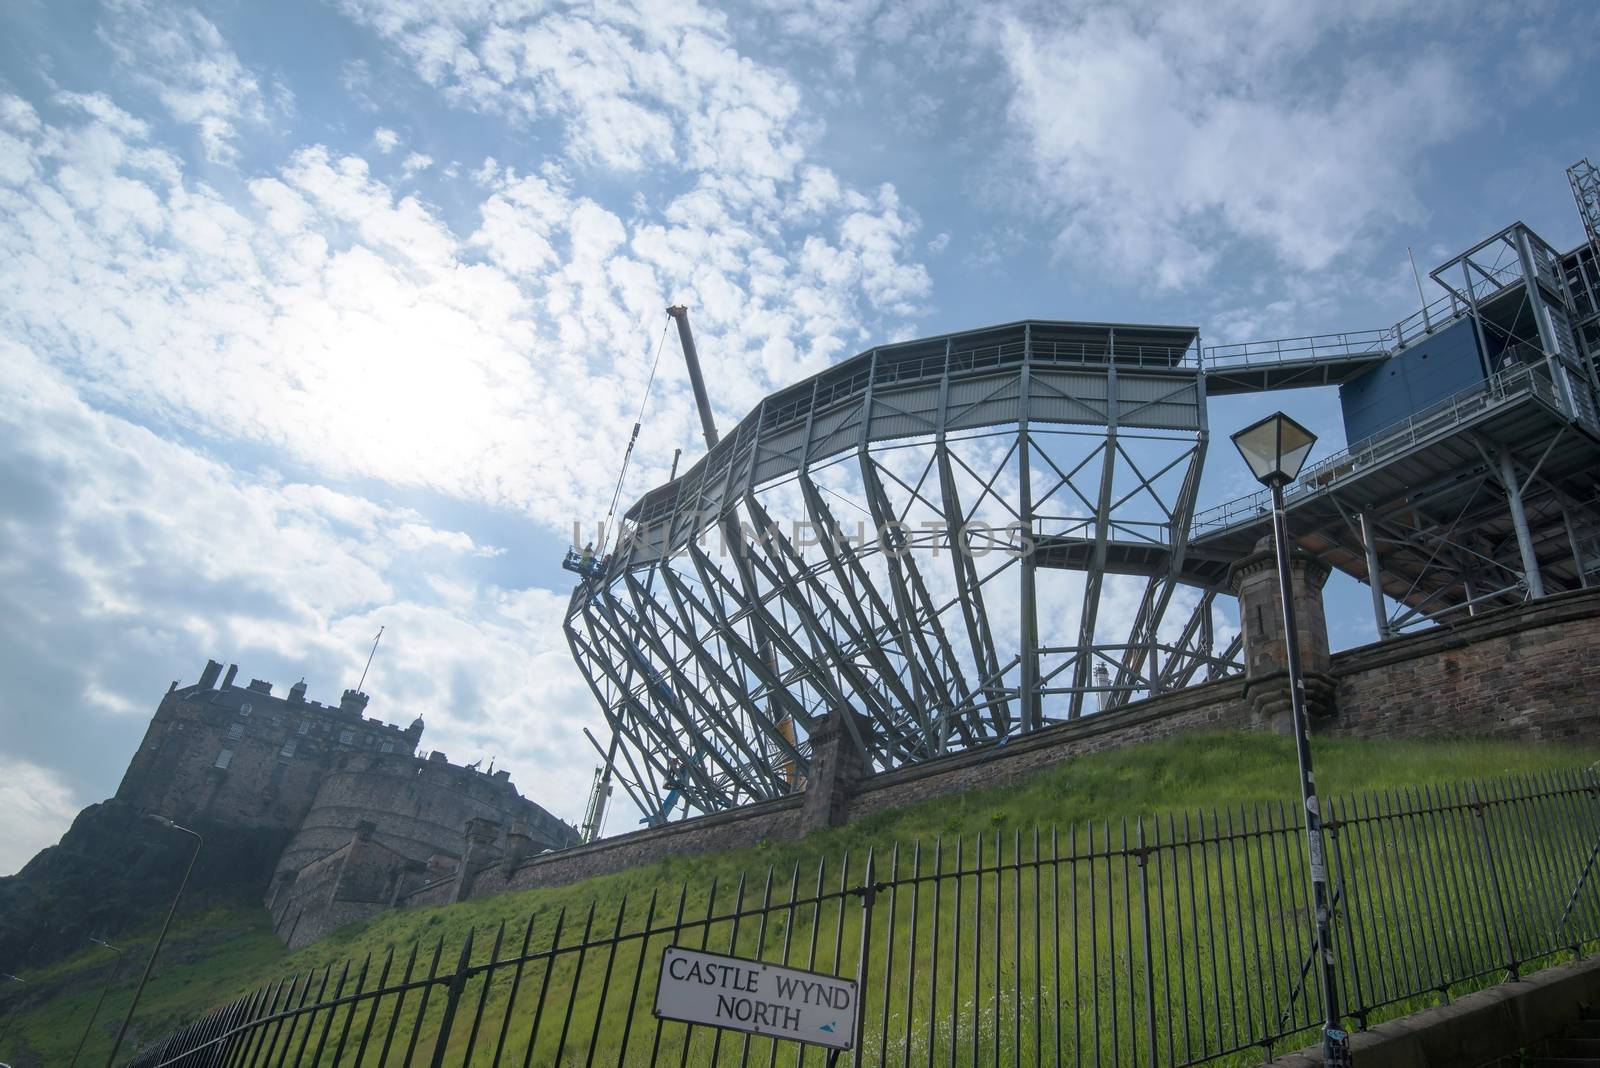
(208, 953)
(217, 955)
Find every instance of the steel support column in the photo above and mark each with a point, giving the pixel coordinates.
(1094, 576)
(1369, 538)
(1577, 549)
(1028, 621)
(1519, 521)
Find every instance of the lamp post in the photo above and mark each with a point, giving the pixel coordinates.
(151, 963)
(1276, 448)
(104, 990)
(7, 977)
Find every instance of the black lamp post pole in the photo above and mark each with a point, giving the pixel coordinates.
(122, 1031)
(11, 1009)
(1335, 1042)
(116, 965)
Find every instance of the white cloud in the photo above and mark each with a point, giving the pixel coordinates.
(1158, 131)
(317, 318)
(350, 328)
(355, 76)
(38, 807)
(178, 53)
(629, 87)
(415, 163)
(148, 552)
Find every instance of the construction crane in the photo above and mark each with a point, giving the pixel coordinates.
(594, 816)
(691, 357)
(592, 563)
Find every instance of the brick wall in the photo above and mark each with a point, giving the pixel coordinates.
(1525, 673)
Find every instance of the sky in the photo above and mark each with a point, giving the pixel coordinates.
(317, 317)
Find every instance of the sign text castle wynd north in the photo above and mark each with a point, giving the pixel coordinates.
(758, 998)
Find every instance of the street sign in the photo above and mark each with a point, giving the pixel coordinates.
(757, 998)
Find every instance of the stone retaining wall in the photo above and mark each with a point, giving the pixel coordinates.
(1527, 673)
(1530, 673)
(749, 826)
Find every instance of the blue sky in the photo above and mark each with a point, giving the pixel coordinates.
(316, 317)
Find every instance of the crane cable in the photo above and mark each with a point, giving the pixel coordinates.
(633, 439)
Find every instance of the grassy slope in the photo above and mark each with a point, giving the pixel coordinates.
(208, 953)
(221, 953)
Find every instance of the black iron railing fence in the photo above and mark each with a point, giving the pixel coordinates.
(1176, 941)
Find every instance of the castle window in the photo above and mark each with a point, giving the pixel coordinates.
(224, 758)
(245, 709)
(386, 747)
(347, 737)
(288, 749)
(305, 727)
(235, 732)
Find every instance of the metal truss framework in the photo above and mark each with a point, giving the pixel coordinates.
(945, 537)
(964, 537)
(1585, 179)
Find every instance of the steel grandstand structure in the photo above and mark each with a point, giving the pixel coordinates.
(964, 537)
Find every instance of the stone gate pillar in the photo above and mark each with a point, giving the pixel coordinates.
(479, 853)
(837, 766)
(1255, 582)
(519, 844)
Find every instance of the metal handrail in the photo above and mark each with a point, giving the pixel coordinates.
(850, 380)
(1350, 343)
(1386, 341)
(1379, 447)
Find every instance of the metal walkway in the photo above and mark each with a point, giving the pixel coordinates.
(1485, 498)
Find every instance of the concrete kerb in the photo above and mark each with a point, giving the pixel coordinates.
(1477, 1028)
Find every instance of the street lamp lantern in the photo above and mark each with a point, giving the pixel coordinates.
(1275, 448)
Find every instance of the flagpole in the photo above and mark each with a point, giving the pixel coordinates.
(1427, 323)
(369, 660)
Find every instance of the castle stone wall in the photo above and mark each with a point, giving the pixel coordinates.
(750, 826)
(360, 879)
(359, 818)
(417, 808)
(241, 756)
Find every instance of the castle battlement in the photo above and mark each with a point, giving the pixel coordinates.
(359, 814)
